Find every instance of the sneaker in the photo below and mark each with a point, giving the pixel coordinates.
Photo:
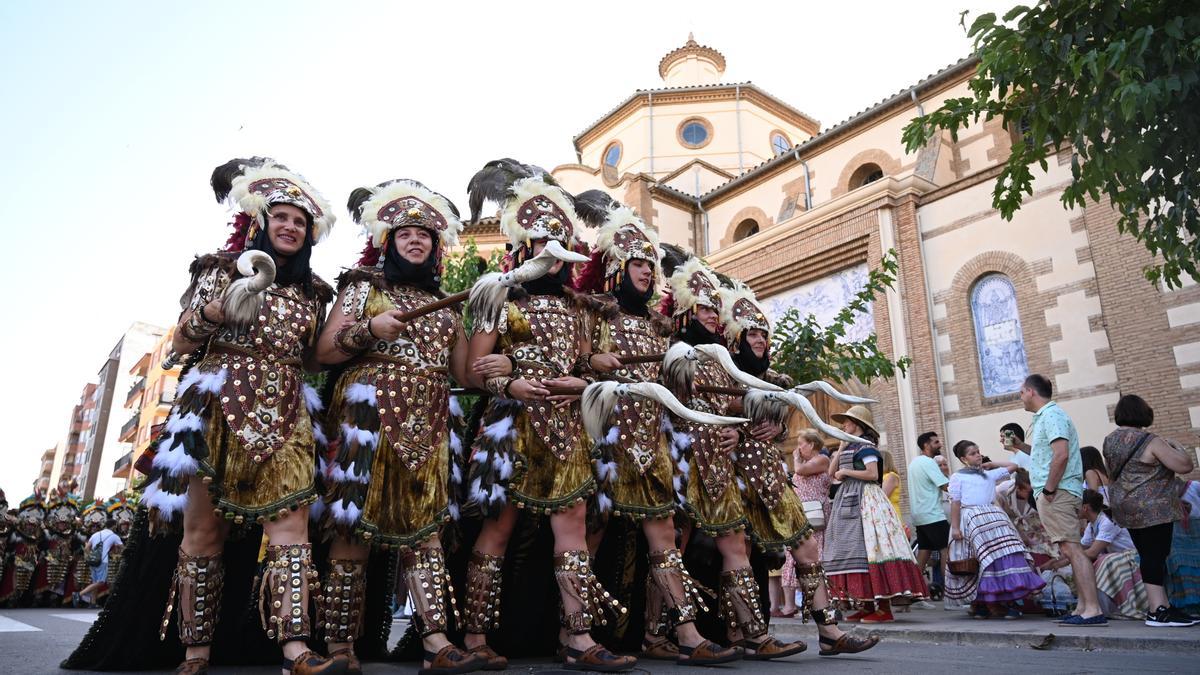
(980, 612)
(1013, 613)
(922, 604)
(1164, 617)
(1076, 620)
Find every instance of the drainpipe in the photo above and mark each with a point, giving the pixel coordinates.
(737, 91)
(920, 108)
(703, 229)
(650, 98)
(807, 180)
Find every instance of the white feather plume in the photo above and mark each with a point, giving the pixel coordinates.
(361, 393)
(312, 400)
(244, 297)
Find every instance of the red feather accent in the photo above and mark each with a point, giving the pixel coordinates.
(241, 227)
(591, 277)
(666, 306)
(370, 255)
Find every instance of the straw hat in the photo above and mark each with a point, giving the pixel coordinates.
(858, 413)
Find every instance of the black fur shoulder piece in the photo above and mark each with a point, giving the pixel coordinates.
(601, 304)
(353, 275)
(322, 290)
(663, 324)
(779, 379)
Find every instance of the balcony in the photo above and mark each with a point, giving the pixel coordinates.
(129, 429)
(135, 390)
(166, 398)
(121, 466)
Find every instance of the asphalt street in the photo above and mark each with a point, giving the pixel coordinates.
(35, 640)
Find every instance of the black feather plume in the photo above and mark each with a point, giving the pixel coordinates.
(593, 206)
(355, 204)
(494, 182)
(222, 176)
(673, 257)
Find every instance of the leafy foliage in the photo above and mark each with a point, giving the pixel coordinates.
(460, 272)
(806, 351)
(1119, 84)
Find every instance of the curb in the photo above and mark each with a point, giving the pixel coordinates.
(1097, 641)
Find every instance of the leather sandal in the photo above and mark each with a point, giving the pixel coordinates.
(847, 644)
(771, 648)
(353, 666)
(312, 663)
(659, 649)
(196, 666)
(450, 660)
(707, 653)
(599, 659)
(492, 660)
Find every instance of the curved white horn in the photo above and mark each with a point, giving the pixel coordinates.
(679, 366)
(660, 394)
(487, 296)
(722, 356)
(244, 296)
(802, 404)
(821, 385)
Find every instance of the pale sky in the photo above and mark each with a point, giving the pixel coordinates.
(114, 115)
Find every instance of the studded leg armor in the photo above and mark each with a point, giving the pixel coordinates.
(579, 586)
(811, 578)
(673, 597)
(483, 592)
(740, 606)
(287, 584)
(429, 587)
(196, 590)
(341, 600)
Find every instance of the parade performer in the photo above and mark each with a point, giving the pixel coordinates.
(7, 524)
(710, 496)
(121, 510)
(239, 443)
(867, 558)
(25, 545)
(62, 556)
(635, 467)
(389, 478)
(773, 509)
(532, 452)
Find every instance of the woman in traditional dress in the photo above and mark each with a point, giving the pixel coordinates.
(532, 452)
(239, 443)
(1112, 552)
(983, 532)
(1183, 564)
(389, 478)
(867, 557)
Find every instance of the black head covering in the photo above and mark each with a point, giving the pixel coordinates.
(427, 275)
(696, 334)
(297, 269)
(746, 359)
(630, 299)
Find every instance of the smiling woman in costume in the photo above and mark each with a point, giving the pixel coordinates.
(390, 473)
(239, 442)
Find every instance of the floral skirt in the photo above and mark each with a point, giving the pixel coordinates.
(891, 569)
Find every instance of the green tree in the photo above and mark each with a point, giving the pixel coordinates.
(1118, 82)
(806, 351)
(464, 267)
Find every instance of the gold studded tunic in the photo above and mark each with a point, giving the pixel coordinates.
(408, 495)
(259, 435)
(643, 486)
(552, 468)
(713, 500)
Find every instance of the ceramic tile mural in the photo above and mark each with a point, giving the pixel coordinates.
(824, 298)
(1002, 362)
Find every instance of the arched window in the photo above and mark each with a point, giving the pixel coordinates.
(612, 157)
(780, 143)
(998, 337)
(864, 175)
(694, 132)
(744, 229)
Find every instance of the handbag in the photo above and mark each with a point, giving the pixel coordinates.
(967, 567)
(814, 512)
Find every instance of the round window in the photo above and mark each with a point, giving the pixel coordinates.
(780, 143)
(695, 133)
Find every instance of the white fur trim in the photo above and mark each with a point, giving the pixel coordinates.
(382, 196)
(524, 190)
(456, 444)
(604, 502)
(684, 467)
(176, 462)
(361, 393)
(505, 471)
(456, 407)
(454, 513)
(678, 483)
(168, 504)
(345, 515)
(477, 494)
(614, 434)
(319, 434)
(177, 423)
(479, 456)
(741, 484)
(316, 509)
(254, 204)
(681, 440)
(606, 472)
(498, 494)
(500, 430)
(312, 399)
(360, 436)
(455, 474)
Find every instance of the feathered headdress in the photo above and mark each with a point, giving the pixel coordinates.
(254, 185)
(622, 237)
(32, 503)
(690, 283)
(402, 203)
(741, 312)
(532, 205)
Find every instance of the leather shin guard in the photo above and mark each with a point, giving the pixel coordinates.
(673, 597)
(740, 606)
(288, 582)
(577, 583)
(429, 587)
(196, 588)
(483, 592)
(812, 578)
(341, 600)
